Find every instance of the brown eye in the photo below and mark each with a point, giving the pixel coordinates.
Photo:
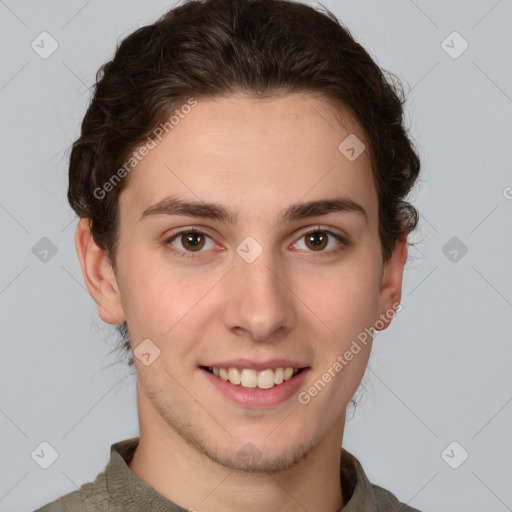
(187, 242)
(192, 241)
(317, 240)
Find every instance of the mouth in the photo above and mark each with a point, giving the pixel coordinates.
(253, 379)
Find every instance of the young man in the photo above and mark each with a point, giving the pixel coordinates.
(241, 179)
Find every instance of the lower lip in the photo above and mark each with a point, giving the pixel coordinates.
(256, 397)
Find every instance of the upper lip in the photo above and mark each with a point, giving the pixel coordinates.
(258, 366)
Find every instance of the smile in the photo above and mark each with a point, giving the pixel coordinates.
(249, 378)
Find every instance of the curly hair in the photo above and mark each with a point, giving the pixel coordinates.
(214, 48)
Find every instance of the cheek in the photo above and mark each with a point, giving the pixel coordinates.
(345, 300)
(161, 302)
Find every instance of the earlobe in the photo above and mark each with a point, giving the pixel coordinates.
(98, 275)
(391, 284)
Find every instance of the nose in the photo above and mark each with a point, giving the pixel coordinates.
(260, 304)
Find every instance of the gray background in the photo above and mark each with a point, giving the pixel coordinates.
(440, 373)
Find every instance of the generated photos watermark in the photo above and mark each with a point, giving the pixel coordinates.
(304, 397)
(145, 148)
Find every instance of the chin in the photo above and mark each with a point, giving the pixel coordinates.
(252, 457)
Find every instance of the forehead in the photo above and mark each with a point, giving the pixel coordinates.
(255, 154)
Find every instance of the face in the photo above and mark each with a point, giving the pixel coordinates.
(259, 284)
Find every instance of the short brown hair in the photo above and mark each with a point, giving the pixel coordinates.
(213, 48)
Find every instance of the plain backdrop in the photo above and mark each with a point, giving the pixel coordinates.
(438, 387)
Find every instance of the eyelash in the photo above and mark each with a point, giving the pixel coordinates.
(191, 254)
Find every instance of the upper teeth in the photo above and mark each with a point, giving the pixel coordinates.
(249, 378)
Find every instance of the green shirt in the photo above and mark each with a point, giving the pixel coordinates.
(118, 489)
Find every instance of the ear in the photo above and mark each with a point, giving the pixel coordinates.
(390, 292)
(98, 275)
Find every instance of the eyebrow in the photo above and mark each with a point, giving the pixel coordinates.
(176, 206)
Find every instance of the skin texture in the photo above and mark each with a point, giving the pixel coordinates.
(294, 301)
